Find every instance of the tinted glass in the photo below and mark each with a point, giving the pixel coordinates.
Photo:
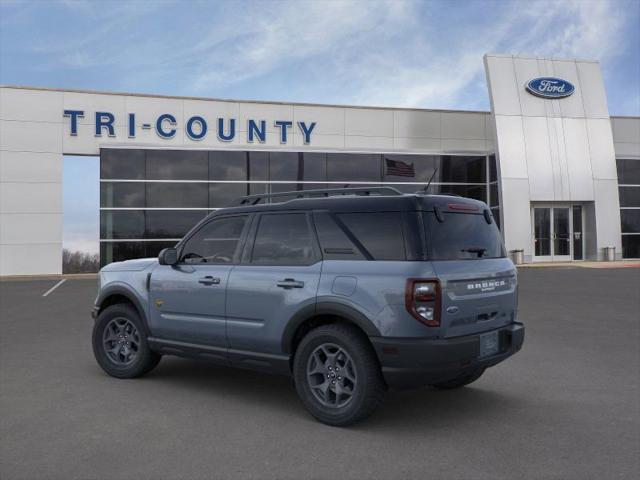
(119, 251)
(628, 171)
(171, 223)
(462, 236)
(226, 165)
(631, 246)
(221, 194)
(283, 239)
(354, 167)
(493, 169)
(130, 195)
(493, 190)
(409, 168)
(121, 224)
(177, 195)
(216, 242)
(177, 165)
(287, 166)
(462, 169)
(630, 221)
(379, 233)
(629, 196)
(122, 164)
(334, 242)
(496, 216)
(292, 187)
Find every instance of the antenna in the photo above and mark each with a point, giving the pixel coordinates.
(426, 187)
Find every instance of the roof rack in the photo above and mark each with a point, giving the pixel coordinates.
(325, 192)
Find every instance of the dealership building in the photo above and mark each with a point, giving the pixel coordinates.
(561, 176)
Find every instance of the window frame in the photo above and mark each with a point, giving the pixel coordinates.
(207, 221)
(247, 252)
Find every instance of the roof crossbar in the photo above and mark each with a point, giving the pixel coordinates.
(325, 192)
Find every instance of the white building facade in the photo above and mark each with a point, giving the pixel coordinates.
(560, 175)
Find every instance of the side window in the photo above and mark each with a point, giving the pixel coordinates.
(216, 242)
(379, 233)
(334, 242)
(283, 239)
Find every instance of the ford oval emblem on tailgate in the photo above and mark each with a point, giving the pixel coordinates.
(452, 310)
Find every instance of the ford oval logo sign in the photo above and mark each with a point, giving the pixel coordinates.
(550, 87)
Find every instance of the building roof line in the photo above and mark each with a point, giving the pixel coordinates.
(228, 100)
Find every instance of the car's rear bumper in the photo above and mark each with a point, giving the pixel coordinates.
(410, 362)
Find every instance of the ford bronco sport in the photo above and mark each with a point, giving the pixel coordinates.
(349, 291)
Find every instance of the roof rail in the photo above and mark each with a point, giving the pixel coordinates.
(325, 192)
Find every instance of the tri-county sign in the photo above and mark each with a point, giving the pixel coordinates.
(196, 127)
(550, 87)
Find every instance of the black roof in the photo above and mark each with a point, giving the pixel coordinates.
(359, 203)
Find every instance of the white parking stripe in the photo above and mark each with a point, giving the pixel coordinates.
(54, 287)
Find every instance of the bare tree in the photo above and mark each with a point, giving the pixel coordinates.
(79, 262)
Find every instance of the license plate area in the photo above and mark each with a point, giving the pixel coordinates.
(489, 344)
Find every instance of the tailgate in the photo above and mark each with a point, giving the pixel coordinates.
(477, 295)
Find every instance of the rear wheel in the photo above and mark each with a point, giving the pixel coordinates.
(120, 343)
(460, 381)
(337, 375)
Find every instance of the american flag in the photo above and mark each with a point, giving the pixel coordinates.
(399, 168)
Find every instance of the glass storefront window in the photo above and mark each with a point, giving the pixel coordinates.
(177, 195)
(493, 169)
(125, 164)
(630, 221)
(628, 171)
(630, 246)
(121, 224)
(629, 196)
(291, 166)
(177, 165)
(354, 167)
(171, 223)
(253, 173)
(462, 169)
(119, 195)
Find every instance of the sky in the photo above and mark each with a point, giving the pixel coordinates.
(385, 53)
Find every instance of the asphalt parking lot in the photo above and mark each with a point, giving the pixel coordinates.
(567, 406)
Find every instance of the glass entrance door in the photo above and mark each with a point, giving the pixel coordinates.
(561, 234)
(557, 233)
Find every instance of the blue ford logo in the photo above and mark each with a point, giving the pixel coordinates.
(550, 87)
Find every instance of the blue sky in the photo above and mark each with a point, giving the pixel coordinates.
(391, 53)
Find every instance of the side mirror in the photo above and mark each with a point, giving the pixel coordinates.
(168, 256)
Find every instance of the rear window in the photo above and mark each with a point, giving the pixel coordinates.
(379, 234)
(462, 236)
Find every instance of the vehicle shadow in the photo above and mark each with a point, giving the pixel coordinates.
(409, 409)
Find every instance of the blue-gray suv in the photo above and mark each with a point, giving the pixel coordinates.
(349, 291)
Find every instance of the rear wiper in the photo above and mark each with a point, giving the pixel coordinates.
(478, 250)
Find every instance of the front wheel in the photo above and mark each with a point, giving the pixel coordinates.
(337, 375)
(120, 343)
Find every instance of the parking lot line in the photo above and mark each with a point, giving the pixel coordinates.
(54, 287)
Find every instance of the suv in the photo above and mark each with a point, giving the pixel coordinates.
(349, 291)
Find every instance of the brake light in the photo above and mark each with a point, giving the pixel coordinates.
(462, 207)
(422, 299)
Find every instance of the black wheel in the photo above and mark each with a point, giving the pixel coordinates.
(460, 381)
(120, 344)
(337, 375)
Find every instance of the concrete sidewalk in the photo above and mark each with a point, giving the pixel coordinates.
(585, 264)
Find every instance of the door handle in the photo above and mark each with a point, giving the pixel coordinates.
(209, 280)
(290, 283)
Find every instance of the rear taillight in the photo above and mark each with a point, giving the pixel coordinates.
(422, 299)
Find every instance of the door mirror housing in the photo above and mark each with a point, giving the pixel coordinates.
(168, 256)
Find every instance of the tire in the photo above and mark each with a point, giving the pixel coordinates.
(340, 354)
(119, 326)
(460, 381)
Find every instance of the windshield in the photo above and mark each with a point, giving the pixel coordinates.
(462, 236)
